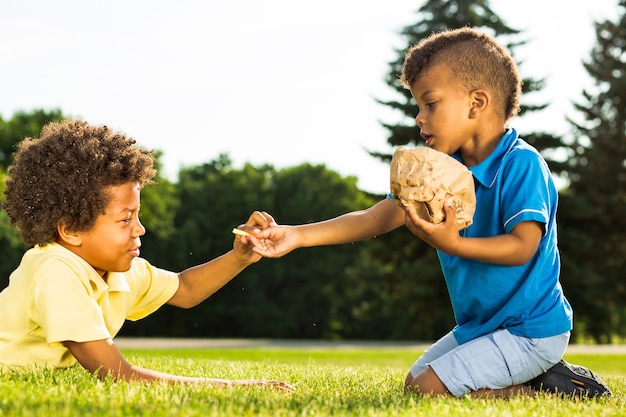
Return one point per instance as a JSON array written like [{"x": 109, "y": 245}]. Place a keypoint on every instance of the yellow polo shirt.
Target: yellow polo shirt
[{"x": 54, "y": 295}]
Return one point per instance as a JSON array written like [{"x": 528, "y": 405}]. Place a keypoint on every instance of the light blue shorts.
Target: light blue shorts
[{"x": 496, "y": 360}]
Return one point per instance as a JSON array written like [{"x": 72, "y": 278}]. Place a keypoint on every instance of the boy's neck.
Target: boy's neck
[{"x": 482, "y": 146}]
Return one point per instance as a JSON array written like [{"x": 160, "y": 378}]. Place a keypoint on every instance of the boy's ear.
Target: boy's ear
[
  {"x": 480, "y": 101},
  {"x": 70, "y": 237}
]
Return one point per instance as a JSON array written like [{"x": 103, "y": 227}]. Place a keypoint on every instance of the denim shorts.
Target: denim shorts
[{"x": 496, "y": 360}]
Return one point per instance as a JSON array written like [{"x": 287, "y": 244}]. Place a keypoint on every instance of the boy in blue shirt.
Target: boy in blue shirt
[{"x": 502, "y": 272}]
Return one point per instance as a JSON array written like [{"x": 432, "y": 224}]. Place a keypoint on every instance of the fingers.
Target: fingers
[
  {"x": 412, "y": 221},
  {"x": 261, "y": 219},
  {"x": 257, "y": 221},
  {"x": 450, "y": 212},
  {"x": 262, "y": 235},
  {"x": 415, "y": 220},
  {"x": 270, "y": 219}
]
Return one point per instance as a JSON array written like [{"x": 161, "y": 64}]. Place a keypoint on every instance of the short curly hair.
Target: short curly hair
[
  {"x": 63, "y": 177},
  {"x": 475, "y": 59}
]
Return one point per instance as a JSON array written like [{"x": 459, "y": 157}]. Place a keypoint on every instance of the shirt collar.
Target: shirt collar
[
  {"x": 486, "y": 171},
  {"x": 117, "y": 282}
]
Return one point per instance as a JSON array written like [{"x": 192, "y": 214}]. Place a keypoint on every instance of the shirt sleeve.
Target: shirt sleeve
[
  {"x": 529, "y": 191},
  {"x": 151, "y": 287}
]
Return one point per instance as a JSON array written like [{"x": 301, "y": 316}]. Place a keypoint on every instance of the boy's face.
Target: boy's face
[
  {"x": 444, "y": 108},
  {"x": 114, "y": 240}
]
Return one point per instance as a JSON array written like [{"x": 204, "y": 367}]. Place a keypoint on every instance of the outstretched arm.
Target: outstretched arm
[
  {"x": 381, "y": 218},
  {"x": 200, "y": 282},
  {"x": 103, "y": 357}
]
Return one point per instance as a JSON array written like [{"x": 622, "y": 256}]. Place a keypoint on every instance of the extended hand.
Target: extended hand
[
  {"x": 275, "y": 241},
  {"x": 243, "y": 245}
]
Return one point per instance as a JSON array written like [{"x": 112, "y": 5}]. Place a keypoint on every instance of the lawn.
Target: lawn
[{"x": 329, "y": 382}]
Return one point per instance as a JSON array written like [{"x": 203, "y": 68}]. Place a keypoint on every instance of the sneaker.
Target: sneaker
[{"x": 571, "y": 381}]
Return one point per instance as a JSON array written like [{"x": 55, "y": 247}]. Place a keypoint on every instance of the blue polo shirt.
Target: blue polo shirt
[{"x": 513, "y": 185}]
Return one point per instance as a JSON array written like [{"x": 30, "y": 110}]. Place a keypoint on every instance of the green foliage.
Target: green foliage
[
  {"x": 12, "y": 247},
  {"x": 367, "y": 290},
  {"x": 439, "y": 15},
  {"x": 292, "y": 297},
  {"x": 398, "y": 291},
  {"x": 159, "y": 203},
  {"x": 389, "y": 287},
  {"x": 592, "y": 223},
  {"x": 328, "y": 382},
  {"x": 22, "y": 125}
]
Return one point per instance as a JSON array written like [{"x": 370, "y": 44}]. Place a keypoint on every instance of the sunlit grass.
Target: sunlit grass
[{"x": 329, "y": 382}]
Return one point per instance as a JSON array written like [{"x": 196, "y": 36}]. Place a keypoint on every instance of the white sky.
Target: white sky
[{"x": 266, "y": 81}]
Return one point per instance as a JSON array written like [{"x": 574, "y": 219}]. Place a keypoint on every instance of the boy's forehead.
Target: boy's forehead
[{"x": 123, "y": 198}]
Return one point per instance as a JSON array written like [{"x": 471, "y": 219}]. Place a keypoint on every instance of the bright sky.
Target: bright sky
[{"x": 273, "y": 81}]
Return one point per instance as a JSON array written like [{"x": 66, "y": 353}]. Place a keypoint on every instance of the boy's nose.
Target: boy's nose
[{"x": 139, "y": 229}]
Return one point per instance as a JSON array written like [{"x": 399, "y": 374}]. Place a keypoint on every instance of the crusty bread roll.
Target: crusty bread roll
[{"x": 426, "y": 178}]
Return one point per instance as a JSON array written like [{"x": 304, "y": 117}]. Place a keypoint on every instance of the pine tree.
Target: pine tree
[
  {"x": 592, "y": 221},
  {"x": 439, "y": 15}
]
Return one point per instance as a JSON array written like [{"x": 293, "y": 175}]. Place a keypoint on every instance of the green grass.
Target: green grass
[{"x": 329, "y": 382}]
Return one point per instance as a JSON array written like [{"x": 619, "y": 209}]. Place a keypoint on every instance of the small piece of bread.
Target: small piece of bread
[
  {"x": 241, "y": 232},
  {"x": 425, "y": 179}
]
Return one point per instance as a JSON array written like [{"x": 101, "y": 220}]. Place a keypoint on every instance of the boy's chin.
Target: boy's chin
[{"x": 121, "y": 268}]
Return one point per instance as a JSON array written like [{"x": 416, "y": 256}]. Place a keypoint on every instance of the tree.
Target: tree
[
  {"x": 314, "y": 282},
  {"x": 20, "y": 126},
  {"x": 436, "y": 16},
  {"x": 12, "y": 246},
  {"x": 292, "y": 297},
  {"x": 159, "y": 202},
  {"x": 592, "y": 219}
]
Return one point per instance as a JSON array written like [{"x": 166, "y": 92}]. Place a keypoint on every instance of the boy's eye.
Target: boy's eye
[{"x": 428, "y": 105}]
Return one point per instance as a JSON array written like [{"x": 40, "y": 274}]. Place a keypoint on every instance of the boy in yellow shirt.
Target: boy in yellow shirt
[{"x": 74, "y": 195}]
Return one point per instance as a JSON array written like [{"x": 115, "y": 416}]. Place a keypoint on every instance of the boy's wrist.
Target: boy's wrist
[{"x": 243, "y": 259}]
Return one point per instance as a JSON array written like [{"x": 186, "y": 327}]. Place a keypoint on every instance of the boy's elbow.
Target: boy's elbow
[
  {"x": 521, "y": 258},
  {"x": 183, "y": 298},
  {"x": 184, "y": 304}
]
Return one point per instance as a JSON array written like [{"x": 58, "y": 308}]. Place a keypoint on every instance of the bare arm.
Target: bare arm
[
  {"x": 103, "y": 357},
  {"x": 200, "y": 282},
  {"x": 381, "y": 218},
  {"x": 514, "y": 248}
]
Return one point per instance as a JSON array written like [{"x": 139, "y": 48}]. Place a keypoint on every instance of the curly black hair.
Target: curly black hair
[
  {"x": 63, "y": 176},
  {"x": 474, "y": 58}
]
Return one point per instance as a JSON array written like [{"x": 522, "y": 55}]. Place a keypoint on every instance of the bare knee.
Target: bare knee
[{"x": 426, "y": 383}]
